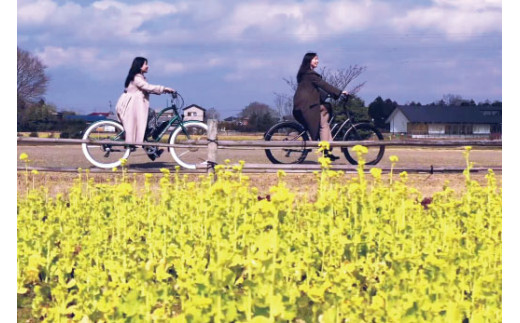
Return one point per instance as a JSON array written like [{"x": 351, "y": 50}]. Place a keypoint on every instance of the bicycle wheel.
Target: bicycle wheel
[
  {"x": 189, "y": 157},
  {"x": 364, "y": 131},
  {"x": 287, "y": 131},
  {"x": 105, "y": 155}
]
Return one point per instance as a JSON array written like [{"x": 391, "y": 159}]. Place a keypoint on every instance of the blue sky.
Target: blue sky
[{"x": 227, "y": 54}]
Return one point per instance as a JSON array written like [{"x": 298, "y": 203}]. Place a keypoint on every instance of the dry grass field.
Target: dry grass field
[{"x": 71, "y": 157}]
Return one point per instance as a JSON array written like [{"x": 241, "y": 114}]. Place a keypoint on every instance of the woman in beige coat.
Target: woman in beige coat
[{"x": 132, "y": 106}]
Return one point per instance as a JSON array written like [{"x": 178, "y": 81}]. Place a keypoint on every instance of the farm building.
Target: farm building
[{"x": 440, "y": 121}]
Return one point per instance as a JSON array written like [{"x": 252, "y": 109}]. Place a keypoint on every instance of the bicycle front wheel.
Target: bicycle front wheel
[
  {"x": 189, "y": 156},
  {"x": 364, "y": 131},
  {"x": 105, "y": 155},
  {"x": 290, "y": 132}
]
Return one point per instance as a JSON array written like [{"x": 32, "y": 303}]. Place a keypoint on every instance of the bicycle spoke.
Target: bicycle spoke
[{"x": 286, "y": 132}]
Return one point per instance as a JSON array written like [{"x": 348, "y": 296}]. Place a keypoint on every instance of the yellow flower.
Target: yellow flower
[
  {"x": 124, "y": 161},
  {"x": 376, "y": 172},
  {"x": 165, "y": 171},
  {"x": 24, "y": 156},
  {"x": 35, "y": 172},
  {"x": 114, "y": 169},
  {"x": 323, "y": 145},
  {"x": 468, "y": 148},
  {"x": 324, "y": 161},
  {"x": 394, "y": 159},
  {"x": 360, "y": 149}
]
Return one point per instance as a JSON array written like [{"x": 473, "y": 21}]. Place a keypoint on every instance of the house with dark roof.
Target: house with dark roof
[
  {"x": 433, "y": 121},
  {"x": 194, "y": 112}
]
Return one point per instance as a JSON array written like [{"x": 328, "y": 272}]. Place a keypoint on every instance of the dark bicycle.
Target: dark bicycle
[{"x": 345, "y": 131}]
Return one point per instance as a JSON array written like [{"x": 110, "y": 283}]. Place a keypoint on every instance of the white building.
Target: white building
[
  {"x": 194, "y": 112},
  {"x": 430, "y": 121}
]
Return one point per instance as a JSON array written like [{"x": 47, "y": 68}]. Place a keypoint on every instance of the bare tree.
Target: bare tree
[
  {"x": 31, "y": 78},
  {"x": 283, "y": 104},
  {"x": 340, "y": 78},
  {"x": 213, "y": 114}
]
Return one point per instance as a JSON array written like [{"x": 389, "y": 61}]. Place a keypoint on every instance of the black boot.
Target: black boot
[
  {"x": 330, "y": 156},
  {"x": 153, "y": 153}
]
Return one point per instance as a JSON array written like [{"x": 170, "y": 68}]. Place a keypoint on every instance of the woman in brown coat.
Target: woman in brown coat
[
  {"x": 132, "y": 106},
  {"x": 309, "y": 109}
]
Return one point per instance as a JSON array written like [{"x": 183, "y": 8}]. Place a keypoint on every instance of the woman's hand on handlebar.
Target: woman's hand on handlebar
[
  {"x": 344, "y": 96},
  {"x": 169, "y": 90}
]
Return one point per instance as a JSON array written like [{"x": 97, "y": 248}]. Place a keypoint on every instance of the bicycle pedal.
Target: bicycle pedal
[{"x": 107, "y": 153}]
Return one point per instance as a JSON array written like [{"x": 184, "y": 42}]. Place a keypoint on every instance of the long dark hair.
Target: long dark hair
[
  {"x": 135, "y": 69},
  {"x": 306, "y": 65}
]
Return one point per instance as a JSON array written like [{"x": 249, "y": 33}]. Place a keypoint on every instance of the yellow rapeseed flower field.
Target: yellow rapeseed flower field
[{"x": 365, "y": 250}]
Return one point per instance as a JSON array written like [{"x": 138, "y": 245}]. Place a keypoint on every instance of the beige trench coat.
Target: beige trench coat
[{"x": 132, "y": 108}]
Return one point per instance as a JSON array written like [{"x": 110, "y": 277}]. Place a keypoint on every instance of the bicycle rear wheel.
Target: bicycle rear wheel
[
  {"x": 364, "y": 131},
  {"x": 189, "y": 157},
  {"x": 105, "y": 155},
  {"x": 291, "y": 132}
]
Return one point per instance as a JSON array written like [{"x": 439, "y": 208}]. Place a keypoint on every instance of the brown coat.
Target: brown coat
[
  {"x": 132, "y": 108},
  {"x": 307, "y": 101}
]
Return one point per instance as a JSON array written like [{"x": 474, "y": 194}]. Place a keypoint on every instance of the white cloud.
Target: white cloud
[
  {"x": 345, "y": 16},
  {"x": 35, "y": 13},
  {"x": 172, "y": 67},
  {"x": 470, "y": 4},
  {"x": 457, "y": 19},
  {"x": 56, "y": 56},
  {"x": 266, "y": 17},
  {"x": 113, "y": 32},
  {"x": 89, "y": 60},
  {"x": 194, "y": 22},
  {"x": 304, "y": 21},
  {"x": 103, "y": 19}
]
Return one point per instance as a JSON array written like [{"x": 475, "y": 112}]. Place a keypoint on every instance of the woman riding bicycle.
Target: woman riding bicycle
[
  {"x": 309, "y": 108},
  {"x": 133, "y": 105}
]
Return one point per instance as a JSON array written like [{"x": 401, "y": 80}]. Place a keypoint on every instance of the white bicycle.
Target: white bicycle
[{"x": 109, "y": 155}]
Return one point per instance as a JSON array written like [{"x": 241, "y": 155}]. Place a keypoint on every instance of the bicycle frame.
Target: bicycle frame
[
  {"x": 176, "y": 121},
  {"x": 335, "y": 130}
]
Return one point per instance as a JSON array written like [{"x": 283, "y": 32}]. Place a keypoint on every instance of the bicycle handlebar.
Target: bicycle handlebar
[
  {"x": 344, "y": 97},
  {"x": 177, "y": 96}
]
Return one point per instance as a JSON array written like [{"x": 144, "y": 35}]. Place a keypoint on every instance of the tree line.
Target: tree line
[{"x": 33, "y": 113}]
